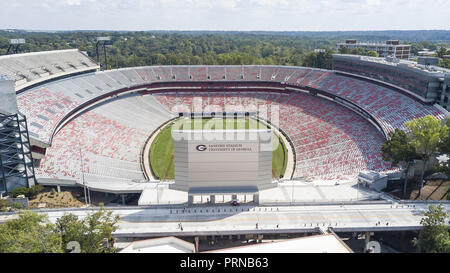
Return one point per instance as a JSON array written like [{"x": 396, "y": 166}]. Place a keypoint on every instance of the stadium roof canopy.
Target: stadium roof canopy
[{"x": 30, "y": 69}]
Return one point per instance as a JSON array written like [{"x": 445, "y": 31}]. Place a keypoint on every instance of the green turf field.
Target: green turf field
[{"x": 161, "y": 150}]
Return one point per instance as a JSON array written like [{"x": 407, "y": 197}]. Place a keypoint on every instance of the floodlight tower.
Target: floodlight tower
[
  {"x": 14, "y": 45},
  {"x": 101, "y": 41}
]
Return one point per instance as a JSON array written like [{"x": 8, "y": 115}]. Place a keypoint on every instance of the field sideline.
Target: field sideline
[{"x": 161, "y": 149}]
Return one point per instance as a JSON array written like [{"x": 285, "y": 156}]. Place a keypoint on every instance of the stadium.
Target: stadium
[{"x": 95, "y": 129}]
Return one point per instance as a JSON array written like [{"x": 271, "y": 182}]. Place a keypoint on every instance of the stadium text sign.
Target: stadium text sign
[{"x": 226, "y": 147}]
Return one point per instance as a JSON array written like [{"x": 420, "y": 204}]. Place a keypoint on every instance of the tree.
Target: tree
[
  {"x": 90, "y": 232},
  {"x": 444, "y": 148},
  {"x": 441, "y": 52},
  {"x": 322, "y": 60},
  {"x": 434, "y": 237},
  {"x": 310, "y": 59},
  {"x": 445, "y": 63},
  {"x": 358, "y": 51},
  {"x": 33, "y": 233},
  {"x": 444, "y": 167},
  {"x": 426, "y": 135},
  {"x": 399, "y": 150},
  {"x": 344, "y": 50},
  {"x": 372, "y": 54},
  {"x": 30, "y": 233},
  {"x": 27, "y": 192}
]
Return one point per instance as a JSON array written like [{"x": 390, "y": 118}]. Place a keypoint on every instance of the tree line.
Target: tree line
[{"x": 128, "y": 49}]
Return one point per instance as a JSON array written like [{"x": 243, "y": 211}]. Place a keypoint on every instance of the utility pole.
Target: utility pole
[
  {"x": 82, "y": 172},
  {"x": 82, "y": 175}
]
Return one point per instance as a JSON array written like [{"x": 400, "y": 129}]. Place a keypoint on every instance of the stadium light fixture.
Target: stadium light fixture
[
  {"x": 14, "y": 45},
  {"x": 102, "y": 40},
  {"x": 16, "y": 41},
  {"x": 107, "y": 38}
]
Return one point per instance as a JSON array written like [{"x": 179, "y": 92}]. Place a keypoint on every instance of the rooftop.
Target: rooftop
[
  {"x": 326, "y": 243},
  {"x": 397, "y": 62},
  {"x": 373, "y": 44}
]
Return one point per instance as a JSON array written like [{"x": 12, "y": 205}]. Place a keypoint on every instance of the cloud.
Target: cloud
[{"x": 226, "y": 14}]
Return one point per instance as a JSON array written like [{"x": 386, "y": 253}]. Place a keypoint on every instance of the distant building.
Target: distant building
[
  {"x": 423, "y": 79},
  {"x": 391, "y": 48}
]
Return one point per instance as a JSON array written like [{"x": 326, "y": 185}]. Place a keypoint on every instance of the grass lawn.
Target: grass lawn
[{"x": 161, "y": 149}]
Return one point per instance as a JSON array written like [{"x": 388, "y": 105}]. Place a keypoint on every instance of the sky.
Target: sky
[{"x": 242, "y": 15}]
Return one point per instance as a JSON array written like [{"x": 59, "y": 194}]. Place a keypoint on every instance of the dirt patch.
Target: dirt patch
[
  {"x": 55, "y": 200},
  {"x": 433, "y": 190}
]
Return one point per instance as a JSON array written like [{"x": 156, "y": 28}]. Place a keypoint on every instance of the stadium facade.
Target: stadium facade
[
  {"x": 89, "y": 127},
  {"x": 391, "y": 48},
  {"x": 423, "y": 79}
]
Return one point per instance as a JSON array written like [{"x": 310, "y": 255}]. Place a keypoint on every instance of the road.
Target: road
[{"x": 227, "y": 220}]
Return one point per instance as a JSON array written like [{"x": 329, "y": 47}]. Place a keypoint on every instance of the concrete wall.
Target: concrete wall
[
  {"x": 8, "y": 101},
  {"x": 416, "y": 169},
  {"x": 22, "y": 201}
]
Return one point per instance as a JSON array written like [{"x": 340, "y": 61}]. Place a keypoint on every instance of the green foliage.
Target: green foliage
[
  {"x": 426, "y": 135},
  {"x": 27, "y": 192},
  {"x": 442, "y": 51},
  {"x": 19, "y": 191},
  {"x": 207, "y": 48},
  {"x": 17, "y": 206},
  {"x": 398, "y": 148},
  {"x": 161, "y": 48},
  {"x": 434, "y": 237},
  {"x": 358, "y": 51},
  {"x": 35, "y": 190},
  {"x": 89, "y": 232},
  {"x": 424, "y": 140},
  {"x": 33, "y": 233},
  {"x": 4, "y": 204},
  {"x": 444, "y": 146},
  {"x": 322, "y": 60},
  {"x": 444, "y": 63},
  {"x": 30, "y": 233},
  {"x": 372, "y": 54},
  {"x": 344, "y": 50},
  {"x": 444, "y": 167}
]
